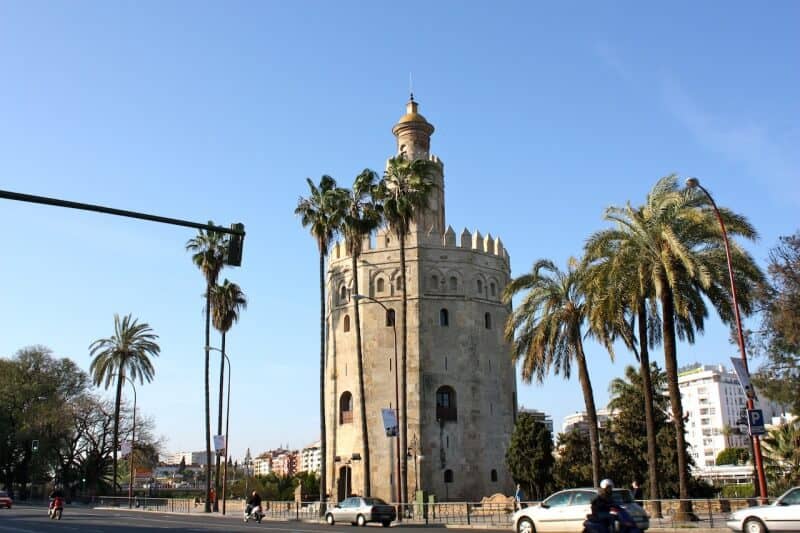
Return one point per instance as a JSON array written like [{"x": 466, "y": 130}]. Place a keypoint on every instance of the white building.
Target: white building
[
  {"x": 580, "y": 421},
  {"x": 262, "y": 465},
  {"x": 310, "y": 458},
  {"x": 716, "y": 407},
  {"x": 539, "y": 416},
  {"x": 190, "y": 458}
]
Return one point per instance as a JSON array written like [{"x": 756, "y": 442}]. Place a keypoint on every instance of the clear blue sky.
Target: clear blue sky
[{"x": 544, "y": 114}]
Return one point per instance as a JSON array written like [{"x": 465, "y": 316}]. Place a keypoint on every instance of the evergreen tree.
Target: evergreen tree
[{"x": 530, "y": 456}]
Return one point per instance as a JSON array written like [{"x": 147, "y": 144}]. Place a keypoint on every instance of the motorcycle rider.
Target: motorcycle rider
[
  {"x": 601, "y": 504},
  {"x": 54, "y": 494},
  {"x": 253, "y": 503}
]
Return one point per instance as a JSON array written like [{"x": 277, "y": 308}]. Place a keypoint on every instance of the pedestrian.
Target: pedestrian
[
  {"x": 636, "y": 490},
  {"x": 518, "y": 495}
]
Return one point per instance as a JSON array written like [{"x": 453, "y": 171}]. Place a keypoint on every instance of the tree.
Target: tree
[
  {"x": 733, "y": 456},
  {"x": 227, "y": 301},
  {"x": 321, "y": 213},
  {"x": 530, "y": 456},
  {"x": 404, "y": 192},
  {"x": 779, "y": 377},
  {"x": 680, "y": 244},
  {"x": 571, "y": 469},
  {"x": 361, "y": 215},
  {"x": 182, "y": 466},
  {"x": 781, "y": 449},
  {"x": 208, "y": 254},
  {"x": 545, "y": 333},
  {"x": 126, "y": 353}
]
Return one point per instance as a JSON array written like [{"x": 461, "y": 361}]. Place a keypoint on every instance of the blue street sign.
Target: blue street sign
[{"x": 755, "y": 419}]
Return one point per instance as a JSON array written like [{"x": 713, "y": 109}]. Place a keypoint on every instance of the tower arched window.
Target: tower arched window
[
  {"x": 448, "y": 476},
  {"x": 379, "y": 285},
  {"x": 487, "y": 320},
  {"x": 399, "y": 283},
  {"x": 434, "y": 282},
  {"x": 389, "y": 318},
  {"x": 444, "y": 317},
  {"x": 493, "y": 475},
  {"x": 446, "y": 404},
  {"x": 493, "y": 289},
  {"x": 346, "y": 323},
  {"x": 346, "y": 408},
  {"x": 480, "y": 287},
  {"x": 453, "y": 283},
  {"x": 342, "y": 294}
]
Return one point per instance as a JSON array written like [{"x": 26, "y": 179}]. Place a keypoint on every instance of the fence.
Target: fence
[{"x": 709, "y": 513}]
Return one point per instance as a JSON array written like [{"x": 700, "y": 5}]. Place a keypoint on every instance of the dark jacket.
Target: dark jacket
[
  {"x": 254, "y": 500},
  {"x": 601, "y": 505}
]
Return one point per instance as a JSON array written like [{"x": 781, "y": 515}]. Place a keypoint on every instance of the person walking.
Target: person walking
[
  {"x": 636, "y": 490},
  {"x": 518, "y": 496}
]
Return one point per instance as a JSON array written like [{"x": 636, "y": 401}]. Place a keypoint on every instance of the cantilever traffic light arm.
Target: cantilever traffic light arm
[{"x": 236, "y": 231}]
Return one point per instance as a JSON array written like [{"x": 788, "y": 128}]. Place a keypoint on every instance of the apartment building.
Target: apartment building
[
  {"x": 539, "y": 416},
  {"x": 310, "y": 458}
]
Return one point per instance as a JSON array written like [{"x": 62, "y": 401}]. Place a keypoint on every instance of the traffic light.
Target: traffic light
[
  {"x": 233, "y": 257},
  {"x": 35, "y": 446}
]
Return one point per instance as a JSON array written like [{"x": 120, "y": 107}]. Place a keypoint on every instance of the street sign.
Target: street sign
[
  {"x": 755, "y": 419},
  {"x": 219, "y": 443},
  {"x": 744, "y": 377},
  {"x": 389, "y": 422}
]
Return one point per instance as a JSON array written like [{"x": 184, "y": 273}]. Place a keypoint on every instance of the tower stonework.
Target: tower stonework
[{"x": 461, "y": 389}]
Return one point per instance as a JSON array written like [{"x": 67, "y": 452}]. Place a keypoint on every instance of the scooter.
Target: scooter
[
  {"x": 620, "y": 522},
  {"x": 256, "y": 513},
  {"x": 56, "y": 508}
]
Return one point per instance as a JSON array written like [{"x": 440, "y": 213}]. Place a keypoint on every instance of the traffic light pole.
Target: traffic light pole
[{"x": 236, "y": 231}]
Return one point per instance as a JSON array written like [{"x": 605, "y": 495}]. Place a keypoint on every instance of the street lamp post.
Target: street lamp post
[
  {"x": 396, "y": 398},
  {"x": 227, "y": 422},
  {"x": 762, "y": 482}
]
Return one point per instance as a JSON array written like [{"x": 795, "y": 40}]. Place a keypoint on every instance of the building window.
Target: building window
[
  {"x": 379, "y": 285},
  {"x": 399, "y": 283},
  {"x": 434, "y": 282},
  {"x": 346, "y": 323},
  {"x": 448, "y": 476},
  {"x": 444, "y": 317},
  {"x": 492, "y": 289},
  {"x": 487, "y": 320},
  {"x": 343, "y": 294},
  {"x": 346, "y": 408},
  {"x": 494, "y": 475},
  {"x": 389, "y": 318},
  {"x": 446, "y": 404},
  {"x": 480, "y": 287},
  {"x": 453, "y": 283}
]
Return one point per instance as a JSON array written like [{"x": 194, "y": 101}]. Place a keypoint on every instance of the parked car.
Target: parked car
[
  {"x": 565, "y": 511},
  {"x": 783, "y": 515},
  {"x": 360, "y": 511},
  {"x": 5, "y": 500}
]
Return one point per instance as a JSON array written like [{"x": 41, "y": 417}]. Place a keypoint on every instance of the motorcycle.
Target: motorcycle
[
  {"x": 619, "y": 522},
  {"x": 56, "y": 508},
  {"x": 256, "y": 513}
]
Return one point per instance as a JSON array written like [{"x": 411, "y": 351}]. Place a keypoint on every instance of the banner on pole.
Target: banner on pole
[
  {"x": 744, "y": 377},
  {"x": 219, "y": 443},
  {"x": 389, "y": 422}
]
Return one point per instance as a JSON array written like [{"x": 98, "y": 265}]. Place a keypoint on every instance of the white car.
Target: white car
[
  {"x": 566, "y": 511},
  {"x": 783, "y": 515}
]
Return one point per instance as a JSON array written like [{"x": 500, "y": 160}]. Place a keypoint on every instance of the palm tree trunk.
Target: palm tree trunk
[
  {"x": 207, "y": 508},
  {"x": 591, "y": 412},
  {"x": 671, "y": 366},
  {"x": 361, "y": 394},
  {"x": 403, "y": 422},
  {"x": 323, "y": 439},
  {"x": 116, "y": 425},
  {"x": 219, "y": 418},
  {"x": 649, "y": 421}
]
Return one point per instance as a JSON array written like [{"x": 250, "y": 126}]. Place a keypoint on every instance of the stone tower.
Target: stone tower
[{"x": 461, "y": 389}]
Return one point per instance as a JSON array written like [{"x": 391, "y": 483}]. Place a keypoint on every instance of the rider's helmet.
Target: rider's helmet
[{"x": 607, "y": 484}]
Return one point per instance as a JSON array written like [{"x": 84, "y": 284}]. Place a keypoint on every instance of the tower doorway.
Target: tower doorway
[{"x": 344, "y": 483}]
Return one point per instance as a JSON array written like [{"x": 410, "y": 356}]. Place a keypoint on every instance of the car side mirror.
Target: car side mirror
[{"x": 544, "y": 505}]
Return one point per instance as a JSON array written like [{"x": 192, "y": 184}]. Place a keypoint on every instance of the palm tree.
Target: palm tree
[
  {"x": 545, "y": 333},
  {"x": 226, "y": 302},
  {"x": 208, "y": 249},
  {"x": 782, "y": 454},
  {"x": 360, "y": 217},
  {"x": 621, "y": 298},
  {"x": 126, "y": 353},
  {"x": 679, "y": 246},
  {"x": 404, "y": 192},
  {"x": 321, "y": 213}
]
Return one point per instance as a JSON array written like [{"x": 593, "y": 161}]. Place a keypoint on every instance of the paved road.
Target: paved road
[{"x": 27, "y": 519}]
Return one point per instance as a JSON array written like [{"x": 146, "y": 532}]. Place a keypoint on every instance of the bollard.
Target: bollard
[{"x": 467, "y": 506}]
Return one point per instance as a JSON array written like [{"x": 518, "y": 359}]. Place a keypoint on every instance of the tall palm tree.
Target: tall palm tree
[
  {"x": 126, "y": 353},
  {"x": 782, "y": 454},
  {"x": 682, "y": 257},
  {"x": 321, "y": 213},
  {"x": 208, "y": 254},
  {"x": 545, "y": 333},
  {"x": 621, "y": 298},
  {"x": 360, "y": 217},
  {"x": 227, "y": 300},
  {"x": 404, "y": 192}
]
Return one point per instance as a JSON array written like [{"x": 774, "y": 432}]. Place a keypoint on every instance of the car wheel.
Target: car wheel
[
  {"x": 525, "y": 526},
  {"x": 329, "y": 519},
  {"x": 754, "y": 525},
  {"x": 361, "y": 521},
  {"x": 385, "y": 523}
]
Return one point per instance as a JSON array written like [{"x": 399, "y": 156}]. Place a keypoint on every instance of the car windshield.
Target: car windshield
[
  {"x": 622, "y": 496},
  {"x": 374, "y": 501}
]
